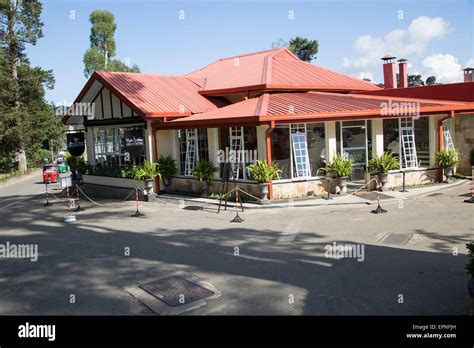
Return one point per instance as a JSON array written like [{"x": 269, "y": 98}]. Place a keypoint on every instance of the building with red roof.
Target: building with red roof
[{"x": 272, "y": 106}]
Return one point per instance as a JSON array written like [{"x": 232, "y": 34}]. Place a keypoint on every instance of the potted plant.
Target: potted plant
[
  {"x": 470, "y": 269},
  {"x": 341, "y": 167},
  {"x": 166, "y": 169},
  {"x": 263, "y": 173},
  {"x": 383, "y": 164},
  {"x": 204, "y": 172},
  {"x": 447, "y": 159},
  {"x": 147, "y": 172},
  {"x": 77, "y": 166}
]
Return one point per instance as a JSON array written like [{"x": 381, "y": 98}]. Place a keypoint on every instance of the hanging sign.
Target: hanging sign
[
  {"x": 75, "y": 143},
  {"x": 134, "y": 142}
]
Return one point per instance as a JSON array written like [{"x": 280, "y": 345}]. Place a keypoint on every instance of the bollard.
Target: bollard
[
  {"x": 471, "y": 200},
  {"x": 48, "y": 203},
  {"x": 403, "y": 187},
  {"x": 379, "y": 209},
  {"x": 237, "y": 218},
  {"x": 137, "y": 213}
]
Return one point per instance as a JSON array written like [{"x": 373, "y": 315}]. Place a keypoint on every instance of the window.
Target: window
[
  {"x": 193, "y": 147},
  {"x": 239, "y": 144},
  {"x": 407, "y": 134},
  {"x": 299, "y": 149},
  {"x": 400, "y": 138},
  {"x": 422, "y": 141},
  {"x": 110, "y": 147}
]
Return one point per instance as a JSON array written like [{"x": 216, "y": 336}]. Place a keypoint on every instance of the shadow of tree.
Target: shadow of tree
[{"x": 87, "y": 259}]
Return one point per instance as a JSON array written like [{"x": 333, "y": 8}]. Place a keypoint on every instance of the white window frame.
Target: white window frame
[{"x": 299, "y": 143}]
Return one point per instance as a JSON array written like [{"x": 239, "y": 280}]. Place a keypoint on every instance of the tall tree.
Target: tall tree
[
  {"x": 305, "y": 49},
  {"x": 431, "y": 80},
  {"x": 415, "y": 80},
  {"x": 102, "y": 45},
  {"x": 20, "y": 24}
]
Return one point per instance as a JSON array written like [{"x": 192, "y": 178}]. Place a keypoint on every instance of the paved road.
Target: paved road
[{"x": 272, "y": 263}]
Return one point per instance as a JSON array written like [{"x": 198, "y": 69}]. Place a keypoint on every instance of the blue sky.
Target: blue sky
[{"x": 436, "y": 36}]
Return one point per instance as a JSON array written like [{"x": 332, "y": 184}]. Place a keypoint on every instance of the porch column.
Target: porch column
[
  {"x": 149, "y": 142},
  {"x": 261, "y": 143},
  {"x": 377, "y": 138},
  {"x": 330, "y": 141},
  {"x": 213, "y": 146},
  {"x": 433, "y": 139},
  {"x": 268, "y": 145},
  {"x": 90, "y": 147}
]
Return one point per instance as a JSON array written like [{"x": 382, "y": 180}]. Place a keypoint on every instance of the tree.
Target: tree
[
  {"x": 102, "y": 46},
  {"x": 280, "y": 43},
  {"x": 415, "y": 80},
  {"x": 303, "y": 48},
  {"x": 20, "y": 24},
  {"x": 431, "y": 80}
]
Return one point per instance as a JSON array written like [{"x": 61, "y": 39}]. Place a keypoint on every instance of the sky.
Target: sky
[{"x": 176, "y": 37}]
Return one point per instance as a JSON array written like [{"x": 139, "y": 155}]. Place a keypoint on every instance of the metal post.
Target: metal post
[
  {"x": 79, "y": 208},
  {"x": 403, "y": 188},
  {"x": 379, "y": 209},
  {"x": 471, "y": 200},
  {"x": 137, "y": 212},
  {"x": 237, "y": 218},
  {"x": 48, "y": 203}
]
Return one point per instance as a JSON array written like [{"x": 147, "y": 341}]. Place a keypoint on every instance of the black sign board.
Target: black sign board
[
  {"x": 134, "y": 142},
  {"x": 75, "y": 143}
]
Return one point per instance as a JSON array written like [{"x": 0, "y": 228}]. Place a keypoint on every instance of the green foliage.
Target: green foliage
[
  {"x": 340, "y": 166},
  {"x": 305, "y": 49},
  {"x": 447, "y": 158},
  {"x": 76, "y": 163},
  {"x": 204, "y": 171},
  {"x": 146, "y": 171},
  {"x": 114, "y": 171},
  {"x": 25, "y": 117},
  {"x": 415, "y": 80},
  {"x": 383, "y": 164},
  {"x": 470, "y": 265},
  {"x": 102, "y": 46},
  {"x": 431, "y": 80},
  {"x": 166, "y": 167},
  {"x": 263, "y": 172}
]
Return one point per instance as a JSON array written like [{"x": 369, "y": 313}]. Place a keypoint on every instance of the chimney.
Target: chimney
[
  {"x": 389, "y": 74},
  {"x": 468, "y": 75},
  {"x": 402, "y": 73}
]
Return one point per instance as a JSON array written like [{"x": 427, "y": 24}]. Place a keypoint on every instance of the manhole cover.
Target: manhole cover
[
  {"x": 394, "y": 238},
  {"x": 176, "y": 291},
  {"x": 435, "y": 194}
]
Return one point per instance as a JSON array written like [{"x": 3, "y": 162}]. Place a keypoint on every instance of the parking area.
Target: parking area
[{"x": 278, "y": 261}]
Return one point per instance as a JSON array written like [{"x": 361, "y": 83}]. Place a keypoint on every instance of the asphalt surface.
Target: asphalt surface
[{"x": 275, "y": 262}]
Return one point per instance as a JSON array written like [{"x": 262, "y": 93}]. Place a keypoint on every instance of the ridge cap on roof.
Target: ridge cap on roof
[
  {"x": 143, "y": 74},
  {"x": 338, "y": 72}
]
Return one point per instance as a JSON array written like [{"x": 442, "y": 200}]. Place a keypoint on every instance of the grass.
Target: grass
[{"x": 14, "y": 173}]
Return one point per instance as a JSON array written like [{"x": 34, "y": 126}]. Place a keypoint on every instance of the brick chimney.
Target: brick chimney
[
  {"x": 402, "y": 73},
  {"x": 468, "y": 74},
  {"x": 389, "y": 73}
]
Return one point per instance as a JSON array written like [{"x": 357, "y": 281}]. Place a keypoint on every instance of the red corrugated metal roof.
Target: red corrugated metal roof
[
  {"x": 273, "y": 69},
  {"x": 156, "y": 95},
  {"x": 287, "y": 105}
]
